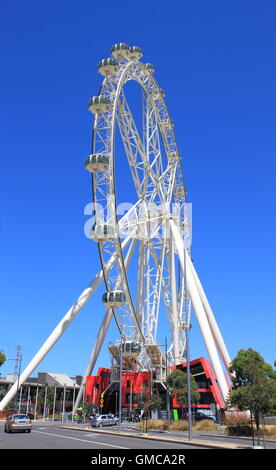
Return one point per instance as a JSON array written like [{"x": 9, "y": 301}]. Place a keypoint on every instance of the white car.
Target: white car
[
  {"x": 18, "y": 422},
  {"x": 103, "y": 420}
]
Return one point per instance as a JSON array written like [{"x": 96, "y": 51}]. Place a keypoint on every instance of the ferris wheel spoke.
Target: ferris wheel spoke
[
  {"x": 157, "y": 285},
  {"x": 152, "y": 142},
  {"x": 140, "y": 157},
  {"x": 117, "y": 279}
]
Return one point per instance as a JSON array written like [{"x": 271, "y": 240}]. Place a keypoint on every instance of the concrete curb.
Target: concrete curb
[
  {"x": 238, "y": 437},
  {"x": 194, "y": 442}
]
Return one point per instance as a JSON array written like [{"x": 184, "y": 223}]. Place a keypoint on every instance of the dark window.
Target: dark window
[
  {"x": 202, "y": 382},
  {"x": 206, "y": 398}
]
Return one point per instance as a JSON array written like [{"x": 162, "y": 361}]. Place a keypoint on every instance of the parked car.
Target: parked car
[
  {"x": 116, "y": 418},
  {"x": 18, "y": 422},
  {"x": 103, "y": 420}
]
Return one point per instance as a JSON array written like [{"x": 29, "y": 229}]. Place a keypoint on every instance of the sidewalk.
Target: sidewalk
[{"x": 165, "y": 437}]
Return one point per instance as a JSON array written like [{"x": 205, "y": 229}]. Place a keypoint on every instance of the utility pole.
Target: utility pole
[
  {"x": 167, "y": 391},
  {"x": 120, "y": 383},
  {"x": 187, "y": 329},
  {"x": 17, "y": 370}
]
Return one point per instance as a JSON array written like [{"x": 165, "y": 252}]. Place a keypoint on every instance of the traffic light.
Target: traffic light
[{"x": 102, "y": 400}]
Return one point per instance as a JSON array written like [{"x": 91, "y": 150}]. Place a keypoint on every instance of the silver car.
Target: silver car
[
  {"x": 18, "y": 422},
  {"x": 103, "y": 420}
]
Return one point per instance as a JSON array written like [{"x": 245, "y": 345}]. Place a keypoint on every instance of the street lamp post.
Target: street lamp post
[
  {"x": 18, "y": 376},
  {"x": 167, "y": 391},
  {"x": 120, "y": 383},
  {"x": 187, "y": 328},
  {"x": 73, "y": 407},
  {"x": 19, "y": 371}
]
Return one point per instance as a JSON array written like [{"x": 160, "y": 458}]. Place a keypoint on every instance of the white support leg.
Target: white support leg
[
  {"x": 94, "y": 355},
  {"x": 58, "y": 331},
  {"x": 200, "y": 312},
  {"x": 211, "y": 318},
  {"x": 100, "y": 337},
  {"x": 175, "y": 321}
]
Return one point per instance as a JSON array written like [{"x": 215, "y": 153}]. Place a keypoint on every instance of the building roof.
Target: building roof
[{"x": 61, "y": 380}]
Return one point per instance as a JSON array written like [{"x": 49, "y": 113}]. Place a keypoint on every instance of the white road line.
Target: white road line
[
  {"x": 91, "y": 435},
  {"x": 77, "y": 439}
]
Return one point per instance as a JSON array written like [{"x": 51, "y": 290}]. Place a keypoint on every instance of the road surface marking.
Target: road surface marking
[{"x": 77, "y": 439}]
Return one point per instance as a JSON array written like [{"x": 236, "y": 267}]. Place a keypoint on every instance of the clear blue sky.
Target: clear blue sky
[{"x": 216, "y": 62}]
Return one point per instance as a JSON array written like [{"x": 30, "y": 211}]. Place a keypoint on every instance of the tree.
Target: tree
[
  {"x": 155, "y": 401},
  {"x": 3, "y": 391},
  {"x": 143, "y": 399},
  {"x": 249, "y": 367},
  {"x": 254, "y": 384},
  {"x": 2, "y": 358},
  {"x": 178, "y": 385},
  {"x": 89, "y": 407}
]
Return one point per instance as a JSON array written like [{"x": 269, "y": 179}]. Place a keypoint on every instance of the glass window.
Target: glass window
[
  {"x": 118, "y": 296},
  {"x": 206, "y": 398}
]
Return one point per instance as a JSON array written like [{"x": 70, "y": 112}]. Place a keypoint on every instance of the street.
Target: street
[
  {"x": 51, "y": 437},
  {"x": 47, "y": 435}
]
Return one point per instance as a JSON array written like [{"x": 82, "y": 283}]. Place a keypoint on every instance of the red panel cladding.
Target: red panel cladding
[
  {"x": 133, "y": 382},
  {"x": 209, "y": 373},
  {"x": 96, "y": 384}
]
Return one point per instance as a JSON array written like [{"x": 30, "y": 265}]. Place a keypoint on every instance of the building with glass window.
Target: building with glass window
[{"x": 106, "y": 387}]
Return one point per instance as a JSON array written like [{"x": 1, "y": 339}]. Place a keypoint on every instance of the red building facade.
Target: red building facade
[
  {"x": 134, "y": 383},
  {"x": 207, "y": 385}
]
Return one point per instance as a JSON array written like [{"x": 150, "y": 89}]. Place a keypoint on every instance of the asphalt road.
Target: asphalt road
[{"x": 51, "y": 437}]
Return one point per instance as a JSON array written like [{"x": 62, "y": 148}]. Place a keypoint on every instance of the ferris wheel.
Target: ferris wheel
[
  {"x": 154, "y": 232},
  {"x": 155, "y": 167}
]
